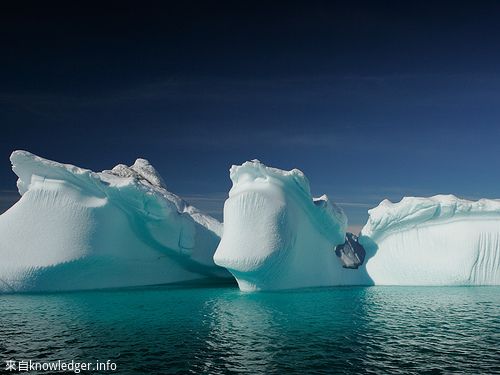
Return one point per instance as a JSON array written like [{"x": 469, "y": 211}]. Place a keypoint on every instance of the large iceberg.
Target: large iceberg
[
  {"x": 442, "y": 240},
  {"x": 276, "y": 236},
  {"x": 77, "y": 229}
]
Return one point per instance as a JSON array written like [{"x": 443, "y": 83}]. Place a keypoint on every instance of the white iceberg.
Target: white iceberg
[
  {"x": 77, "y": 229},
  {"x": 276, "y": 236},
  {"x": 442, "y": 240}
]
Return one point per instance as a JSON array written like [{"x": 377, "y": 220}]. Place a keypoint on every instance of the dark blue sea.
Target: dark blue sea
[{"x": 219, "y": 330}]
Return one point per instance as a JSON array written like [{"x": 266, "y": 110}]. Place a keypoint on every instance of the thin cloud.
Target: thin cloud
[
  {"x": 221, "y": 88},
  {"x": 354, "y": 204}
]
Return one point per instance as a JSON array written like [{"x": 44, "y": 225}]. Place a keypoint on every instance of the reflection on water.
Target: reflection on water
[
  {"x": 222, "y": 331},
  {"x": 241, "y": 330}
]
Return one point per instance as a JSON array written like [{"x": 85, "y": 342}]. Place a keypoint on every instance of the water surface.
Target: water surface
[{"x": 346, "y": 330}]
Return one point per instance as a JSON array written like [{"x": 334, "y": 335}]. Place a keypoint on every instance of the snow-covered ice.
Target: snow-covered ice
[
  {"x": 442, "y": 240},
  {"x": 77, "y": 229},
  {"x": 276, "y": 236}
]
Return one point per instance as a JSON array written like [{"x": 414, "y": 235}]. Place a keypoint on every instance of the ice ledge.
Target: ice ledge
[
  {"x": 140, "y": 185},
  {"x": 390, "y": 217},
  {"x": 254, "y": 170}
]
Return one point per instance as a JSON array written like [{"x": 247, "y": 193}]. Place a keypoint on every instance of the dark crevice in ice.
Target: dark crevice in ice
[{"x": 351, "y": 253}]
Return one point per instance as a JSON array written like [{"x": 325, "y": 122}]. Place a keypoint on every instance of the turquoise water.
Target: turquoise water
[{"x": 347, "y": 330}]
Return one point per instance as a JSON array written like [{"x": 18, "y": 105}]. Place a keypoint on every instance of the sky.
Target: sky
[{"x": 371, "y": 100}]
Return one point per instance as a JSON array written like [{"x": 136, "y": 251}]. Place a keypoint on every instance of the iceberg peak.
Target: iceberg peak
[
  {"x": 251, "y": 171},
  {"x": 141, "y": 170}
]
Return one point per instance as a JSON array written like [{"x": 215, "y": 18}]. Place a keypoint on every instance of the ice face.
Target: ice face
[
  {"x": 442, "y": 240},
  {"x": 276, "y": 236},
  {"x": 77, "y": 229}
]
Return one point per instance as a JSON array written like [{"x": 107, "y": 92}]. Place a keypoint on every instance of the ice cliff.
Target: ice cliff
[
  {"x": 442, "y": 240},
  {"x": 276, "y": 235},
  {"x": 77, "y": 229}
]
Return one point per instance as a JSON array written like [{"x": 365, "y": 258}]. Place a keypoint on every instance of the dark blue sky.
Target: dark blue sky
[{"x": 370, "y": 99}]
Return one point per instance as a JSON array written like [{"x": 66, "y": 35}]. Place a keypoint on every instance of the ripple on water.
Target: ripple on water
[{"x": 396, "y": 330}]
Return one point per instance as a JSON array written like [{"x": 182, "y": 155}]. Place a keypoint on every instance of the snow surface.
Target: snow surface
[
  {"x": 276, "y": 236},
  {"x": 441, "y": 240},
  {"x": 78, "y": 229}
]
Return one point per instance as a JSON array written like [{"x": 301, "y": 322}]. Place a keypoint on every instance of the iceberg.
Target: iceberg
[
  {"x": 77, "y": 229},
  {"x": 441, "y": 240},
  {"x": 277, "y": 236}
]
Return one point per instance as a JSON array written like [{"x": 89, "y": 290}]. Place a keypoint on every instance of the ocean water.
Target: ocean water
[{"x": 347, "y": 330}]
